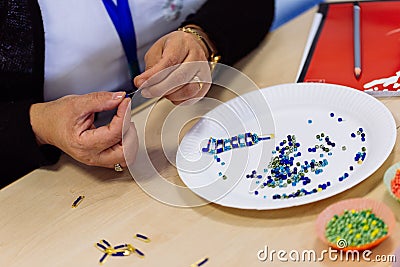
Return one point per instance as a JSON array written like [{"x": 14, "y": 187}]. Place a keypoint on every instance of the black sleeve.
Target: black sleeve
[
  {"x": 236, "y": 27},
  {"x": 21, "y": 85},
  {"x": 20, "y": 152}
]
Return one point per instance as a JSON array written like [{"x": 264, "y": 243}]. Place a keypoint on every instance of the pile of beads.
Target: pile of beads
[
  {"x": 356, "y": 228},
  {"x": 395, "y": 184},
  {"x": 121, "y": 250},
  {"x": 216, "y": 146},
  {"x": 285, "y": 171}
]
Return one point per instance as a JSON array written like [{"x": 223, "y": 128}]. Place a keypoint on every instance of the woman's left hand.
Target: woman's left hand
[{"x": 165, "y": 75}]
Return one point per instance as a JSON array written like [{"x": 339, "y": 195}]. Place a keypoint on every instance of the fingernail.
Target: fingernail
[
  {"x": 146, "y": 93},
  {"x": 118, "y": 95}
]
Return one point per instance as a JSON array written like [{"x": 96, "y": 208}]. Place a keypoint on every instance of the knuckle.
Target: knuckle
[
  {"x": 96, "y": 97},
  {"x": 172, "y": 60}
]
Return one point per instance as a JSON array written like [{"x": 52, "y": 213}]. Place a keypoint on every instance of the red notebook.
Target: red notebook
[{"x": 331, "y": 56}]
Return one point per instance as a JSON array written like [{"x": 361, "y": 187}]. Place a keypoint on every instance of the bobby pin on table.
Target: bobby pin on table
[{"x": 38, "y": 227}]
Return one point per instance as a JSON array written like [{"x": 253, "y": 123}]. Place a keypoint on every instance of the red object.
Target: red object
[
  {"x": 395, "y": 184},
  {"x": 332, "y": 60}
]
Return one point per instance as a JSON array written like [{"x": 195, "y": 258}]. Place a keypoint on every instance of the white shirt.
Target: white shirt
[{"x": 83, "y": 52}]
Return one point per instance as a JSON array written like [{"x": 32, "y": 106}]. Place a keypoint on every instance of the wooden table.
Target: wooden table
[{"x": 38, "y": 227}]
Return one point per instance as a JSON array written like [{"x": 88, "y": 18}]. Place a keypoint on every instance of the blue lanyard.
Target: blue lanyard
[{"x": 121, "y": 17}]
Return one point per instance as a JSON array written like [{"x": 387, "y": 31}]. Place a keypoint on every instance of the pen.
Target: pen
[{"x": 357, "y": 40}]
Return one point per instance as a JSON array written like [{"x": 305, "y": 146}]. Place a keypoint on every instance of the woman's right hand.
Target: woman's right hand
[{"x": 67, "y": 123}]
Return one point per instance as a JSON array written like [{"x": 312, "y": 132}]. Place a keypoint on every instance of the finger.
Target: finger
[
  {"x": 175, "y": 80},
  {"x": 157, "y": 59},
  {"x": 127, "y": 119},
  {"x": 111, "y": 156},
  {"x": 130, "y": 143},
  {"x": 152, "y": 56},
  {"x": 190, "y": 91},
  {"x": 107, "y": 136},
  {"x": 196, "y": 88},
  {"x": 86, "y": 105},
  {"x": 173, "y": 54}
]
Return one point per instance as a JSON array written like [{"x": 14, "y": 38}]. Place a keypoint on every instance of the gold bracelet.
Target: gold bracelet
[{"x": 212, "y": 51}]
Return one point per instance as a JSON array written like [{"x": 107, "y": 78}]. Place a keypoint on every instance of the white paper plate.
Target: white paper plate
[{"x": 304, "y": 110}]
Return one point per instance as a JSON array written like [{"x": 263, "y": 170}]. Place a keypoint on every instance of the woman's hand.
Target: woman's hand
[
  {"x": 165, "y": 74},
  {"x": 67, "y": 123}
]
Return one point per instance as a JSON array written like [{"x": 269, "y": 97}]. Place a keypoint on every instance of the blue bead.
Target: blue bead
[{"x": 332, "y": 115}]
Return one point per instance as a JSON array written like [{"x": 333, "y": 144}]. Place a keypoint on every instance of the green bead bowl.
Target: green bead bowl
[{"x": 379, "y": 209}]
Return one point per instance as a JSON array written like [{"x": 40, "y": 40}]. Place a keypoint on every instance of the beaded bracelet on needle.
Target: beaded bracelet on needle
[{"x": 216, "y": 146}]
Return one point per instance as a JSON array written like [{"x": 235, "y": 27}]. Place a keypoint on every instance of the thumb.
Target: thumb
[{"x": 99, "y": 101}]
